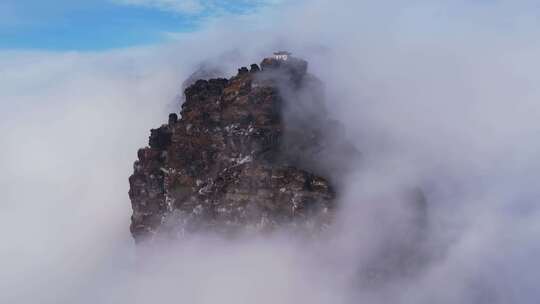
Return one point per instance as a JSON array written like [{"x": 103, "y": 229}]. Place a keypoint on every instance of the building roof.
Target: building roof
[{"x": 282, "y": 53}]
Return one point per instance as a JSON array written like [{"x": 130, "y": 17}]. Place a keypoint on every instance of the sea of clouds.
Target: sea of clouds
[{"x": 442, "y": 94}]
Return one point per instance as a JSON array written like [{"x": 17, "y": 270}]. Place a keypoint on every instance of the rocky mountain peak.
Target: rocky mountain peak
[{"x": 243, "y": 157}]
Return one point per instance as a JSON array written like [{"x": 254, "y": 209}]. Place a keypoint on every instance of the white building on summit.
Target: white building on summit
[{"x": 282, "y": 55}]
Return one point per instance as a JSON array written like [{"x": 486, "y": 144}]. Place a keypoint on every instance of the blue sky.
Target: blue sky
[{"x": 107, "y": 24}]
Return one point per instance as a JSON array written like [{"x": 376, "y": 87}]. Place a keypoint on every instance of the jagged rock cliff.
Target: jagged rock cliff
[{"x": 245, "y": 156}]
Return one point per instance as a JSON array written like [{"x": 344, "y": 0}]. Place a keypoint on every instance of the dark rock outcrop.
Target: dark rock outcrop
[
  {"x": 243, "y": 157},
  {"x": 258, "y": 152}
]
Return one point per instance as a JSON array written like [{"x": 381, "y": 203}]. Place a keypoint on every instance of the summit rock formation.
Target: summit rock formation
[{"x": 244, "y": 156}]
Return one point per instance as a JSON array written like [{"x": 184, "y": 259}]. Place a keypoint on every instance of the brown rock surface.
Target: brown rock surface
[{"x": 232, "y": 162}]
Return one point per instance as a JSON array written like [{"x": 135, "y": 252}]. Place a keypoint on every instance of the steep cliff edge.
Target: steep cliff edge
[{"x": 245, "y": 156}]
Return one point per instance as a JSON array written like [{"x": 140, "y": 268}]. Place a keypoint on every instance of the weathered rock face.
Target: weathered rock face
[{"x": 235, "y": 161}]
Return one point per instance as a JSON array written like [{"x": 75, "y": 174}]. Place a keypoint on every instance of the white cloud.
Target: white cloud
[
  {"x": 178, "y": 6},
  {"x": 193, "y": 7}
]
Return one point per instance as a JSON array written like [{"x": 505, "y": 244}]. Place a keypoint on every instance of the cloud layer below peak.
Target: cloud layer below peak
[{"x": 441, "y": 93}]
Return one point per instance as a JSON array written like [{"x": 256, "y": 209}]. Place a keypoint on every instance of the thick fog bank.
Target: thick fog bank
[{"x": 438, "y": 94}]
